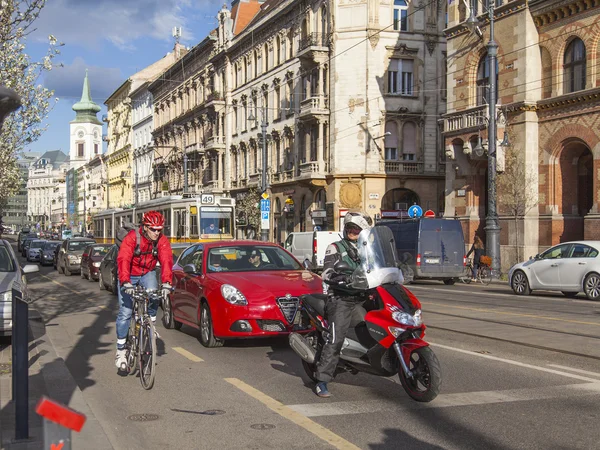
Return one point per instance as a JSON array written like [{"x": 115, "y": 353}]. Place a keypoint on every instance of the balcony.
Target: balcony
[
  {"x": 401, "y": 167},
  {"x": 313, "y": 107},
  {"x": 215, "y": 98},
  {"x": 215, "y": 143},
  {"x": 467, "y": 120},
  {"x": 314, "y": 47}
]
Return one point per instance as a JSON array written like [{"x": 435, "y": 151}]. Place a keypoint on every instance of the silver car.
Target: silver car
[
  {"x": 11, "y": 276},
  {"x": 570, "y": 267}
]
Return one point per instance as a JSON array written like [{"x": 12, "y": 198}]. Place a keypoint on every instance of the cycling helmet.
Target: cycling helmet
[
  {"x": 154, "y": 219},
  {"x": 357, "y": 219}
]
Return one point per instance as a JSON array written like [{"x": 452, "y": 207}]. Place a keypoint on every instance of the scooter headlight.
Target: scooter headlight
[{"x": 406, "y": 319}]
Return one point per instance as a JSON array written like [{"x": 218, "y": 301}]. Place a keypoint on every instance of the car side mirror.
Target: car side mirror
[
  {"x": 31, "y": 268},
  {"x": 190, "y": 269},
  {"x": 307, "y": 265}
]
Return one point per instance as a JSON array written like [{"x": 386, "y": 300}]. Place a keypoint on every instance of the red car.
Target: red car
[
  {"x": 91, "y": 258},
  {"x": 237, "y": 289}
]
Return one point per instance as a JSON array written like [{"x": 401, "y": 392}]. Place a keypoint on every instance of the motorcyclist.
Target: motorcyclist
[
  {"x": 136, "y": 266},
  {"x": 342, "y": 300}
]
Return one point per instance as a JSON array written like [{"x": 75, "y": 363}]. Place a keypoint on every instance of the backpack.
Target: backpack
[{"x": 126, "y": 227}]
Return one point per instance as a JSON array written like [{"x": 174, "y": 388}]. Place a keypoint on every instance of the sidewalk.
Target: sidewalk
[{"x": 48, "y": 375}]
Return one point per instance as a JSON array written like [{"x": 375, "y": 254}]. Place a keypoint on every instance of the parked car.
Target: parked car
[
  {"x": 91, "y": 258},
  {"x": 48, "y": 251},
  {"x": 21, "y": 237},
  {"x": 431, "y": 249},
  {"x": 107, "y": 272},
  {"x": 177, "y": 249},
  {"x": 35, "y": 250},
  {"x": 219, "y": 291},
  {"x": 56, "y": 251},
  {"x": 11, "y": 275},
  {"x": 570, "y": 268},
  {"x": 309, "y": 246},
  {"x": 69, "y": 255},
  {"x": 26, "y": 243}
]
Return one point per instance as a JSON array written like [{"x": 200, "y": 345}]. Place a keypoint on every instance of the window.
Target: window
[
  {"x": 556, "y": 252},
  {"x": 235, "y": 120},
  {"x": 80, "y": 150},
  {"x": 266, "y": 57},
  {"x": 483, "y": 80},
  {"x": 256, "y": 64},
  {"x": 96, "y": 149},
  {"x": 278, "y": 51},
  {"x": 277, "y": 100},
  {"x": 409, "y": 141},
  {"x": 391, "y": 142},
  {"x": 583, "y": 251},
  {"x": 400, "y": 15},
  {"x": 575, "y": 66},
  {"x": 400, "y": 76},
  {"x": 265, "y": 104}
]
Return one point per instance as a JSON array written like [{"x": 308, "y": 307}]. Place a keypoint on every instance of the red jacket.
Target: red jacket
[{"x": 129, "y": 265}]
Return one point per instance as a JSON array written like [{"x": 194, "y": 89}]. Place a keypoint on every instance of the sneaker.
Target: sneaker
[
  {"x": 321, "y": 390},
  {"x": 121, "y": 360}
]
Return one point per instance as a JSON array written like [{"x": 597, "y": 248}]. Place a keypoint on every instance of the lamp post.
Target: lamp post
[
  {"x": 85, "y": 177},
  {"x": 181, "y": 131},
  {"x": 264, "y": 231},
  {"x": 492, "y": 226}
]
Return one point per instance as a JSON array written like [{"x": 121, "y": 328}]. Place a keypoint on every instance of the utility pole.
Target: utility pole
[
  {"x": 265, "y": 205},
  {"x": 84, "y": 204}
]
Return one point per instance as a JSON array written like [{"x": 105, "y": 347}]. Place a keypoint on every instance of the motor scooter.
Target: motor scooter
[{"x": 386, "y": 334}]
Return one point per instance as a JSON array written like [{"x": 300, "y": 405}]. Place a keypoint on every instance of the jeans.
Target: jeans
[
  {"x": 148, "y": 281},
  {"x": 474, "y": 270}
]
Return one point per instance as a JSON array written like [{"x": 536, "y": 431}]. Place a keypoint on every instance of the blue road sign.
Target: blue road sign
[
  {"x": 265, "y": 205},
  {"x": 415, "y": 211},
  {"x": 265, "y": 215}
]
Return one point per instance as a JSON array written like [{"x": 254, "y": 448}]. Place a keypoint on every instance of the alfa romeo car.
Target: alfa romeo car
[{"x": 237, "y": 289}]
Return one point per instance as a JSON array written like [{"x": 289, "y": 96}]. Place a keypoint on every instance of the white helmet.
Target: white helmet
[{"x": 361, "y": 220}]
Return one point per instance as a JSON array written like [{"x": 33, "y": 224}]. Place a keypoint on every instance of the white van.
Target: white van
[{"x": 310, "y": 246}]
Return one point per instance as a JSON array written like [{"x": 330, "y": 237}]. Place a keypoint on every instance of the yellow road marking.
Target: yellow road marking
[
  {"x": 497, "y": 311},
  {"x": 62, "y": 285},
  {"x": 321, "y": 432},
  {"x": 188, "y": 355}
]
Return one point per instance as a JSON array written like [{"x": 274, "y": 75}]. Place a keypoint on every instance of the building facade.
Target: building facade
[
  {"x": 548, "y": 104},
  {"x": 339, "y": 135},
  {"x": 143, "y": 153},
  {"x": 15, "y": 215}
]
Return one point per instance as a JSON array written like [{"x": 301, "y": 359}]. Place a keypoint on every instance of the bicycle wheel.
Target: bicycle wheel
[
  {"x": 466, "y": 280},
  {"x": 485, "y": 275},
  {"x": 132, "y": 347},
  {"x": 147, "y": 354}
]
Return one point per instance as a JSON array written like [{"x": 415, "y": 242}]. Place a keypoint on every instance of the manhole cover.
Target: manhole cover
[
  {"x": 5, "y": 368},
  {"x": 262, "y": 426},
  {"x": 143, "y": 417}
]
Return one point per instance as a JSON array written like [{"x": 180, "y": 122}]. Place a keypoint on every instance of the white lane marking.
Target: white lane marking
[
  {"x": 450, "y": 400},
  {"x": 188, "y": 355},
  {"x": 515, "y": 363},
  {"x": 586, "y": 372}
]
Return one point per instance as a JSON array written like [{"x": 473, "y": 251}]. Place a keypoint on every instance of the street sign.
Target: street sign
[
  {"x": 264, "y": 215},
  {"x": 265, "y": 205},
  {"x": 429, "y": 213},
  {"x": 264, "y": 220},
  {"x": 265, "y": 195},
  {"x": 415, "y": 211}
]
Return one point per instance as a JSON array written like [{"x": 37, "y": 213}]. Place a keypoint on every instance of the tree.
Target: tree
[
  {"x": 249, "y": 207},
  {"x": 19, "y": 73},
  {"x": 517, "y": 189}
]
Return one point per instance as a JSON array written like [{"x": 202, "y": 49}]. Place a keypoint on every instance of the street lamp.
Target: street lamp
[
  {"x": 264, "y": 224},
  {"x": 492, "y": 226}
]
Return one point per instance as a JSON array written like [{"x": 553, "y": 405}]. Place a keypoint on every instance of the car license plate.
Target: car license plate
[{"x": 433, "y": 261}]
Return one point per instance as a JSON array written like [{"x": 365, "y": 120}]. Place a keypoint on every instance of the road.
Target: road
[{"x": 518, "y": 373}]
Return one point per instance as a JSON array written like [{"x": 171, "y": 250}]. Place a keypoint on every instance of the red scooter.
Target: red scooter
[{"x": 385, "y": 337}]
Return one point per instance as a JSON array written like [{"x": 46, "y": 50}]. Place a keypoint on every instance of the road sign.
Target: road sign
[
  {"x": 265, "y": 205},
  {"x": 264, "y": 215},
  {"x": 415, "y": 211},
  {"x": 429, "y": 213},
  {"x": 265, "y": 195},
  {"x": 264, "y": 220}
]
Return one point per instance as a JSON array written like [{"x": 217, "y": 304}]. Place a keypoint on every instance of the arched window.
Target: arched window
[
  {"x": 400, "y": 15},
  {"x": 266, "y": 57},
  {"x": 409, "y": 141},
  {"x": 483, "y": 80},
  {"x": 246, "y": 64},
  {"x": 575, "y": 66},
  {"x": 391, "y": 141},
  {"x": 324, "y": 28},
  {"x": 320, "y": 199},
  {"x": 255, "y": 61},
  {"x": 278, "y": 51}
]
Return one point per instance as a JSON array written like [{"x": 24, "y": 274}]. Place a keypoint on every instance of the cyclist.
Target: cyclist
[
  {"x": 136, "y": 266},
  {"x": 478, "y": 250}
]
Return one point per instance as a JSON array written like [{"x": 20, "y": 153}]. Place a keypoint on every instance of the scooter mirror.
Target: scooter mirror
[{"x": 342, "y": 267}]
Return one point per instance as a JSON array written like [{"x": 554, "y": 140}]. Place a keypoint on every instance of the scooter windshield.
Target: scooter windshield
[{"x": 378, "y": 259}]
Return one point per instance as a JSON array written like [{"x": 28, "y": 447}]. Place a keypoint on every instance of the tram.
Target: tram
[{"x": 207, "y": 217}]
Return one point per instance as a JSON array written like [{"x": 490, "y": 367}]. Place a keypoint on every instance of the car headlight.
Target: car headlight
[
  {"x": 233, "y": 295},
  {"x": 6, "y": 296},
  {"x": 406, "y": 319},
  {"x": 96, "y": 264}
]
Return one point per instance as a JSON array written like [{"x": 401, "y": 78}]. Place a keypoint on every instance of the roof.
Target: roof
[
  {"x": 53, "y": 157},
  {"x": 242, "y": 13},
  {"x": 85, "y": 108}
]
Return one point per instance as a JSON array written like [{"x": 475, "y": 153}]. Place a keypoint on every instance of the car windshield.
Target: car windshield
[
  {"x": 37, "y": 244},
  {"x": 177, "y": 251},
  {"x": 247, "y": 258},
  {"x": 6, "y": 261},
  {"x": 78, "y": 245},
  {"x": 100, "y": 251}
]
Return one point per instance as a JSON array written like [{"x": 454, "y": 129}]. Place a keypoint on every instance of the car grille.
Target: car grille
[
  {"x": 288, "y": 307},
  {"x": 271, "y": 325}
]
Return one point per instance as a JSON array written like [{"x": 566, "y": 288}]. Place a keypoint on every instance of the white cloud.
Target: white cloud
[
  {"x": 67, "y": 81},
  {"x": 121, "y": 22}
]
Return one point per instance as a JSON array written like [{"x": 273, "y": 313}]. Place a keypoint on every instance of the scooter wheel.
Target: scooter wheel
[{"x": 425, "y": 384}]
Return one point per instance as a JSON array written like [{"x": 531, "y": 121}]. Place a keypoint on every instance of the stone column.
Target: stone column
[{"x": 321, "y": 146}]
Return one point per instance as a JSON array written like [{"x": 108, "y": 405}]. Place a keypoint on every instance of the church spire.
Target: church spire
[{"x": 85, "y": 108}]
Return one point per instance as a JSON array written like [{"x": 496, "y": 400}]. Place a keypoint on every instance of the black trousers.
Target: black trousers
[{"x": 341, "y": 312}]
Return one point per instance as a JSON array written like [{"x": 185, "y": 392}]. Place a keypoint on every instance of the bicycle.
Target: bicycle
[
  {"x": 483, "y": 275},
  {"x": 141, "y": 339}
]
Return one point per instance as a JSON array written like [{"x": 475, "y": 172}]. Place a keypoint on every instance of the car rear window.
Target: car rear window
[
  {"x": 6, "y": 261},
  {"x": 100, "y": 251},
  {"x": 37, "y": 244},
  {"x": 78, "y": 245}
]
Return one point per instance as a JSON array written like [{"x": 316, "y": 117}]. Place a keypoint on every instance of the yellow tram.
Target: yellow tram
[{"x": 205, "y": 217}]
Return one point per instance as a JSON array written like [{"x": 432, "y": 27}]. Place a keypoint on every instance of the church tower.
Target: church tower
[{"x": 86, "y": 129}]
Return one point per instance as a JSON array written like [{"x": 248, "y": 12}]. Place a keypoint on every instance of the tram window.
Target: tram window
[
  {"x": 180, "y": 223},
  {"x": 193, "y": 225},
  {"x": 213, "y": 222},
  {"x": 139, "y": 218},
  {"x": 167, "y": 215}
]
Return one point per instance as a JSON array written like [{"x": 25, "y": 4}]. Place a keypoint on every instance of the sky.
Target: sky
[{"x": 112, "y": 39}]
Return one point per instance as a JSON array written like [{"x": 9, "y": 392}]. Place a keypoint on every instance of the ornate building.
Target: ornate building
[
  {"x": 548, "y": 103},
  {"x": 351, "y": 108}
]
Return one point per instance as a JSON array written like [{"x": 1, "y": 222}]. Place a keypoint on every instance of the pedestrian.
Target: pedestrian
[{"x": 478, "y": 250}]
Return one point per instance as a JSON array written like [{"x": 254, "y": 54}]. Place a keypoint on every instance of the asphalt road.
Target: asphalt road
[{"x": 518, "y": 373}]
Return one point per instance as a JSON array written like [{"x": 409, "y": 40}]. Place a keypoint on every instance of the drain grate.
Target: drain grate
[
  {"x": 262, "y": 426},
  {"x": 143, "y": 417}
]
